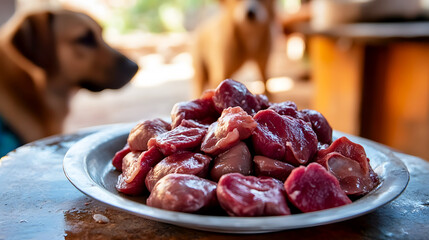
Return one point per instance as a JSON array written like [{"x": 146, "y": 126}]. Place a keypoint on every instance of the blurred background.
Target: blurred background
[{"x": 361, "y": 63}]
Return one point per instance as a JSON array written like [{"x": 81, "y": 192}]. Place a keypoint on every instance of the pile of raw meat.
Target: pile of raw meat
[{"x": 237, "y": 151}]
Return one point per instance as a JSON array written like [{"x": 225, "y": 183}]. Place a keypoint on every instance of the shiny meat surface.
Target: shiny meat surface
[
  {"x": 143, "y": 131},
  {"x": 313, "y": 188},
  {"x": 283, "y": 138},
  {"x": 183, "y": 193},
  {"x": 135, "y": 169},
  {"x": 236, "y": 159},
  {"x": 251, "y": 196},
  {"x": 233, "y": 125},
  {"x": 181, "y": 162}
]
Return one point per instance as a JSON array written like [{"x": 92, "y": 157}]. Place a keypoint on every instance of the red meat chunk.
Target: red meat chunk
[
  {"x": 182, "y": 162},
  {"x": 272, "y": 168},
  {"x": 347, "y": 161},
  {"x": 193, "y": 124},
  {"x": 283, "y": 138},
  {"x": 208, "y": 94},
  {"x": 348, "y": 149},
  {"x": 201, "y": 110},
  {"x": 231, "y": 93},
  {"x": 263, "y": 101},
  {"x": 320, "y": 125},
  {"x": 183, "y": 193},
  {"x": 313, "y": 188},
  {"x": 180, "y": 138},
  {"x": 250, "y": 196},
  {"x": 236, "y": 159},
  {"x": 289, "y": 108},
  {"x": 143, "y": 131},
  {"x": 233, "y": 125},
  {"x": 135, "y": 168},
  {"x": 119, "y": 156}
]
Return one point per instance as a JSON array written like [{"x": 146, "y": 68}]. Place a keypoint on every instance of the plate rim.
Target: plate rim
[{"x": 77, "y": 173}]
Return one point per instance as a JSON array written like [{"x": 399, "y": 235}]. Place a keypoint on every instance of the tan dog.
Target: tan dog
[
  {"x": 241, "y": 32},
  {"x": 44, "y": 57}
]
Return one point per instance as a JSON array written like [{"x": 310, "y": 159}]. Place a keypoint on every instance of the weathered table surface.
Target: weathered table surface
[{"x": 38, "y": 202}]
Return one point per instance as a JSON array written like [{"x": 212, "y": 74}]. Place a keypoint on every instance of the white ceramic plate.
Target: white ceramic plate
[{"x": 88, "y": 167}]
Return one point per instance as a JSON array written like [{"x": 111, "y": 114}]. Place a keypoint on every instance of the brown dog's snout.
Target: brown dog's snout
[
  {"x": 125, "y": 71},
  {"x": 251, "y": 14},
  {"x": 117, "y": 75}
]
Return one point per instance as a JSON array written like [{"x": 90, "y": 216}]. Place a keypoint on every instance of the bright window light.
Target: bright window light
[
  {"x": 256, "y": 87},
  {"x": 279, "y": 84},
  {"x": 295, "y": 46}
]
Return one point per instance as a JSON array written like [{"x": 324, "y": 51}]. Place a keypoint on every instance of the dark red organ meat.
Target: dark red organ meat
[
  {"x": 313, "y": 188},
  {"x": 236, "y": 159},
  {"x": 272, "y": 168},
  {"x": 182, "y": 162},
  {"x": 233, "y": 125},
  {"x": 135, "y": 168},
  {"x": 263, "y": 101},
  {"x": 320, "y": 125},
  {"x": 183, "y": 193},
  {"x": 201, "y": 110},
  {"x": 143, "y": 131},
  {"x": 119, "y": 156},
  {"x": 347, "y": 161},
  {"x": 348, "y": 149},
  {"x": 231, "y": 93},
  {"x": 193, "y": 124},
  {"x": 180, "y": 138},
  {"x": 208, "y": 94},
  {"x": 283, "y": 138},
  {"x": 250, "y": 196},
  {"x": 289, "y": 108}
]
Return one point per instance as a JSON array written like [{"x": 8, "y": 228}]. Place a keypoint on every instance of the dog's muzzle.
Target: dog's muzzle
[
  {"x": 120, "y": 74},
  {"x": 125, "y": 72},
  {"x": 251, "y": 14}
]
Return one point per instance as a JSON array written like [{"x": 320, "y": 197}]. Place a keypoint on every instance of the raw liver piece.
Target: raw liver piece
[
  {"x": 289, "y": 108},
  {"x": 250, "y": 196},
  {"x": 180, "y": 138},
  {"x": 320, "y": 125},
  {"x": 233, "y": 125},
  {"x": 283, "y": 138},
  {"x": 347, "y": 161},
  {"x": 135, "y": 168},
  {"x": 183, "y": 193},
  {"x": 313, "y": 188},
  {"x": 143, "y": 131},
  {"x": 263, "y": 101},
  {"x": 236, "y": 159},
  {"x": 231, "y": 93},
  {"x": 201, "y": 110},
  {"x": 193, "y": 124},
  {"x": 352, "y": 178},
  {"x": 272, "y": 168},
  {"x": 182, "y": 162},
  {"x": 348, "y": 149},
  {"x": 208, "y": 94},
  {"x": 119, "y": 156}
]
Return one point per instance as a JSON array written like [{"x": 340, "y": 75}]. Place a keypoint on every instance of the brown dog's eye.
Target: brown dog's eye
[{"x": 88, "y": 39}]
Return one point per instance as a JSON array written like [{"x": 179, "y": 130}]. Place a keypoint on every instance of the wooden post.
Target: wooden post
[{"x": 337, "y": 73}]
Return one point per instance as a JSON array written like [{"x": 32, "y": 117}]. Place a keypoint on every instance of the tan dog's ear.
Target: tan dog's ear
[{"x": 34, "y": 39}]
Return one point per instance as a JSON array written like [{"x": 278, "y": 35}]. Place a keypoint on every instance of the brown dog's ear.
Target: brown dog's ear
[{"x": 34, "y": 39}]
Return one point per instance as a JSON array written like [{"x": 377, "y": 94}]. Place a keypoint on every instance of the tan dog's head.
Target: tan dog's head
[
  {"x": 70, "y": 48},
  {"x": 250, "y": 11}
]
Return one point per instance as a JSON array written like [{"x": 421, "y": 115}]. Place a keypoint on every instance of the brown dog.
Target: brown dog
[
  {"x": 44, "y": 57},
  {"x": 241, "y": 32}
]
